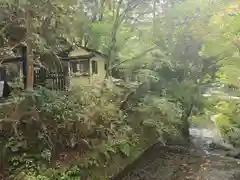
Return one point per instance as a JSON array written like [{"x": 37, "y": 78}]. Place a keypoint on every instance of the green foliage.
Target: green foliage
[
  {"x": 79, "y": 121},
  {"x": 227, "y": 120},
  {"x": 85, "y": 122},
  {"x": 51, "y": 174},
  {"x": 175, "y": 57},
  {"x": 159, "y": 115},
  {"x": 223, "y": 40}
]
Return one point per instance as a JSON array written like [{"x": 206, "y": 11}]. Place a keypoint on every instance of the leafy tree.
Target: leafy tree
[
  {"x": 222, "y": 40},
  {"x": 167, "y": 58},
  {"x": 175, "y": 70}
]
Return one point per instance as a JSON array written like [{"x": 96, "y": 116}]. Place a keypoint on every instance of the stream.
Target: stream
[
  {"x": 220, "y": 166},
  {"x": 204, "y": 159}
]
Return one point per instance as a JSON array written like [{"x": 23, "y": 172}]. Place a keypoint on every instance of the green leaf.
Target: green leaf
[
  {"x": 111, "y": 149},
  {"x": 125, "y": 149},
  {"x": 15, "y": 149},
  {"x": 149, "y": 122}
]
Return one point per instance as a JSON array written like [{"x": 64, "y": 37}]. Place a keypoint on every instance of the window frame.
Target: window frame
[
  {"x": 94, "y": 65},
  {"x": 80, "y": 66}
]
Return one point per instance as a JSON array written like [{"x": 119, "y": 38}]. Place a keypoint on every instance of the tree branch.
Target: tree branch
[
  {"x": 128, "y": 9},
  {"x": 129, "y": 95},
  {"x": 136, "y": 57},
  {"x": 112, "y": 42},
  {"x": 118, "y": 20},
  {"x": 8, "y": 24},
  {"x": 236, "y": 43}
]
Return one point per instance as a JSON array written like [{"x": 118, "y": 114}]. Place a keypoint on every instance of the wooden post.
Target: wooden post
[
  {"x": 29, "y": 59},
  {"x": 3, "y": 73},
  {"x": 24, "y": 65}
]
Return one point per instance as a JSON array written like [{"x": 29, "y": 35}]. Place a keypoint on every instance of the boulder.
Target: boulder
[{"x": 234, "y": 154}]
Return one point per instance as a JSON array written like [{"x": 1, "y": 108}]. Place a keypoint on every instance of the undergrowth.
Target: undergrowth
[
  {"x": 227, "y": 121},
  {"x": 68, "y": 135}
]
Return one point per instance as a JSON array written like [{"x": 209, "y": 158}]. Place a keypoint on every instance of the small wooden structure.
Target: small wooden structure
[
  {"x": 18, "y": 61},
  {"x": 90, "y": 68},
  {"x": 54, "y": 78}
]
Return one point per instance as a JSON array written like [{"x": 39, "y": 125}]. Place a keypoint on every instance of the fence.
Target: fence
[{"x": 54, "y": 80}]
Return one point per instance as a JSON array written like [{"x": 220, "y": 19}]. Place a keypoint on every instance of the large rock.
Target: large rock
[
  {"x": 219, "y": 146},
  {"x": 235, "y": 154}
]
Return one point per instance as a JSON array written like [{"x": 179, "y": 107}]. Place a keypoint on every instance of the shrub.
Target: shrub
[
  {"x": 83, "y": 126},
  {"x": 228, "y": 120},
  {"x": 55, "y": 124}
]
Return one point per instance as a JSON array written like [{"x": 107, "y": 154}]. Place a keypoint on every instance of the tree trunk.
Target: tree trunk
[
  {"x": 112, "y": 42},
  {"x": 184, "y": 119},
  {"x": 154, "y": 18},
  {"x": 28, "y": 21},
  {"x": 129, "y": 95}
]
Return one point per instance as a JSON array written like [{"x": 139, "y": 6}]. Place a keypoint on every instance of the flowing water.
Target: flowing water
[
  {"x": 202, "y": 161},
  {"x": 207, "y": 139},
  {"x": 220, "y": 167}
]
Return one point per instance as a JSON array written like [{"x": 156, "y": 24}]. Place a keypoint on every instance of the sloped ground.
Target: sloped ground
[
  {"x": 180, "y": 163},
  {"x": 220, "y": 168}
]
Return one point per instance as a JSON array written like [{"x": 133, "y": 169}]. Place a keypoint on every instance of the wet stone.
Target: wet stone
[{"x": 179, "y": 163}]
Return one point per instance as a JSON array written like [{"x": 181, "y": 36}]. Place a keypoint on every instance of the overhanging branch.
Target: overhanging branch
[{"x": 136, "y": 57}]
